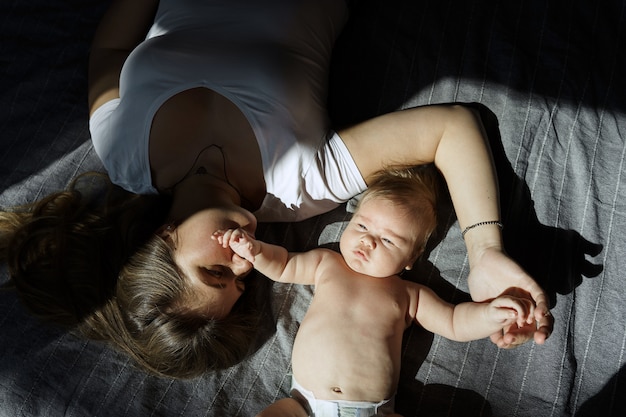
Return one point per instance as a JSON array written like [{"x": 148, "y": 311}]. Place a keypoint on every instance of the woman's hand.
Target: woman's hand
[{"x": 493, "y": 274}]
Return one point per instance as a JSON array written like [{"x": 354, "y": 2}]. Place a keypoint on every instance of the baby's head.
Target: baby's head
[{"x": 392, "y": 222}]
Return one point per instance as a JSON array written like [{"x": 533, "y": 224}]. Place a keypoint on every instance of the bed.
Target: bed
[{"x": 548, "y": 79}]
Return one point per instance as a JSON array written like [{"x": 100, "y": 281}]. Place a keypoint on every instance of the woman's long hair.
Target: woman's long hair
[
  {"x": 87, "y": 258},
  {"x": 148, "y": 319}
]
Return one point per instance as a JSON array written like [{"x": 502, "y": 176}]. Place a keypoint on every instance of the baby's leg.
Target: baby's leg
[{"x": 287, "y": 407}]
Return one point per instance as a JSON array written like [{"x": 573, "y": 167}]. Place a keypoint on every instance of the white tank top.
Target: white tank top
[{"x": 270, "y": 58}]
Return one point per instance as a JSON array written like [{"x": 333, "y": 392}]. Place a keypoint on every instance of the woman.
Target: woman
[{"x": 221, "y": 110}]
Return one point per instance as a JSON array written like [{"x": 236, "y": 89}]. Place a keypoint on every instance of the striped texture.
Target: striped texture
[{"x": 548, "y": 77}]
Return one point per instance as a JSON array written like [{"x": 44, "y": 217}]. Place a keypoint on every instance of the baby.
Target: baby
[{"x": 346, "y": 354}]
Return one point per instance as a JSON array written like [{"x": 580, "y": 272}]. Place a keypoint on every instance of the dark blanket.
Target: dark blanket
[{"x": 548, "y": 78}]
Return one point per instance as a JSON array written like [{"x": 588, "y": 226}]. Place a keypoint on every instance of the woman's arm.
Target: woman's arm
[
  {"x": 123, "y": 27},
  {"x": 450, "y": 136},
  {"x": 454, "y": 139}
]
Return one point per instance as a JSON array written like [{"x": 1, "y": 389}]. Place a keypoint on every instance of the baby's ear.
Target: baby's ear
[{"x": 415, "y": 257}]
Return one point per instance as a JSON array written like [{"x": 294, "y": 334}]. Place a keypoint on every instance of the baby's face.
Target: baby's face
[{"x": 380, "y": 240}]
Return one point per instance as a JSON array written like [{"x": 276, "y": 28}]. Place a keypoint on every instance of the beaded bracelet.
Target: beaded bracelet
[{"x": 468, "y": 228}]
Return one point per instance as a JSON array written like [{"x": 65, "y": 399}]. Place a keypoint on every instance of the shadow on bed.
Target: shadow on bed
[
  {"x": 603, "y": 403},
  {"x": 555, "y": 257},
  {"x": 466, "y": 402},
  {"x": 389, "y": 51},
  {"x": 415, "y": 398}
]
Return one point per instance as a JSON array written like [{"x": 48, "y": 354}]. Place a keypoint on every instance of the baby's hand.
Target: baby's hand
[
  {"x": 239, "y": 241},
  {"x": 508, "y": 309}
]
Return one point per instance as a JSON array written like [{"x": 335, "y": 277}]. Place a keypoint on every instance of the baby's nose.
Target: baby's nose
[{"x": 367, "y": 240}]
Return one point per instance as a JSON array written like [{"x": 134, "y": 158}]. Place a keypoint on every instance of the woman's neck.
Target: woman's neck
[
  {"x": 200, "y": 191},
  {"x": 200, "y": 128}
]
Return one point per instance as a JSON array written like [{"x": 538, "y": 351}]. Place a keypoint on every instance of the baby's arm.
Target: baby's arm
[
  {"x": 273, "y": 261},
  {"x": 470, "y": 320}
]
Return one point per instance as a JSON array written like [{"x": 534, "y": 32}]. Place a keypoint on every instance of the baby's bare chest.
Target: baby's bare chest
[
  {"x": 361, "y": 304},
  {"x": 345, "y": 327}
]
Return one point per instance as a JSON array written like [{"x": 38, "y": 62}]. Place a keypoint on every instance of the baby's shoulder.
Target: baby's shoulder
[
  {"x": 412, "y": 289},
  {"x": 329, "y": 255}
]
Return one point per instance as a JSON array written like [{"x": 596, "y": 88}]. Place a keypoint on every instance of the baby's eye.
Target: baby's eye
[
  {"x": 361, "y": 226},
  {"x": 387, "y": 241}
]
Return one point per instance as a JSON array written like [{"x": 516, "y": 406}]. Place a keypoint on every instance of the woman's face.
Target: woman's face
[
  {"x": 380, "y": 239},
  {"x": 216, "y": 273}
]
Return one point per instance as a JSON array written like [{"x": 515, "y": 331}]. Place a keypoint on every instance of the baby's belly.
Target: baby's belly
[{"x": 347, "y": 360}]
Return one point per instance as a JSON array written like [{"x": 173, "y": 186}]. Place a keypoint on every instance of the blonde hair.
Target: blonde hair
[
  {"x": 147, "y": 319},
  {"x": 90, "y": 261},
  {"x": 414, "y": 189}
]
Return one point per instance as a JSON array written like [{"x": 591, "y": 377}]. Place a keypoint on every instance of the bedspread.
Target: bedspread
[{"x": 548, "y": 79}]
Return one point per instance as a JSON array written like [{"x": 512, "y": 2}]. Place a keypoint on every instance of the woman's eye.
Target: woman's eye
[{"x": 214, "y": 272}]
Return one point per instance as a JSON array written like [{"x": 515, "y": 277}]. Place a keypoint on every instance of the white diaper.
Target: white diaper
[{"x": 328, "y": 408}]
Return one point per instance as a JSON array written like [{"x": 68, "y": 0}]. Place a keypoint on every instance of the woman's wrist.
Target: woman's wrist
[
  {"x": 484, "y": 223},
  {"x": 481, "y": 237}
]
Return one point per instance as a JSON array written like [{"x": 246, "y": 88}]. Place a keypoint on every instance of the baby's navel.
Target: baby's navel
[{"x": 336, "y": 390}]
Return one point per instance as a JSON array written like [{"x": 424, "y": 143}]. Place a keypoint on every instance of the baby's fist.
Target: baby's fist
[{"x": 239, "y": 241}]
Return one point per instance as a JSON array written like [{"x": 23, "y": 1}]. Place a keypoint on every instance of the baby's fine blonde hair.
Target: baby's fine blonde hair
[{"x": 413, "y": 188}]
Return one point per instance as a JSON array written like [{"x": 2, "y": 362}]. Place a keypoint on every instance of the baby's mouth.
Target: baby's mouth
[{"x": 361, "y": 255}]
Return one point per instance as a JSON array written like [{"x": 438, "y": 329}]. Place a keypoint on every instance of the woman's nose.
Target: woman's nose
[{"x": 240, "y": 266}]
